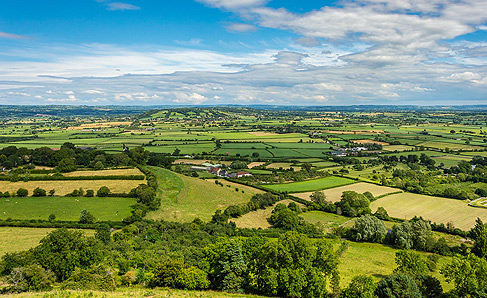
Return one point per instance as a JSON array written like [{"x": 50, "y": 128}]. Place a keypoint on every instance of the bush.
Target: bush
[
  {"x": 30, "y": 278},
  {"x": 98, "y": 277},
  {"x": 369, "y": 228},
  {"x": 22, "y": 192},
  {"x": 90, "y": 193},
  {"x": 103, "y": 192},
  {"x": 39, "y": 192},
  {"x": 398, "y": 285},
  {"x": 179, "y": 275}
]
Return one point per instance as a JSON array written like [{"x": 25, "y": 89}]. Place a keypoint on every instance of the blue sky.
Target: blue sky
[{"x": 308, "y": 52}]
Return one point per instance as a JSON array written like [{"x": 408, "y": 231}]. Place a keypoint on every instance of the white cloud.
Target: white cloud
[
  {"x": 233, "y": 4},
  {"x": 121, "y": 6},
  {"x": 12, "y": 36},
  {"x": 240, "y": 27},
  {"x": 193, "y": 42}
]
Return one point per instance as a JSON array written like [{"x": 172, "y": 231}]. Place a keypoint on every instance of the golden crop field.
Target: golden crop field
[
  {"x": 63, "y": 187},
  {"x": 111, "y": 172},
  {"x": 335, "y": 194}
]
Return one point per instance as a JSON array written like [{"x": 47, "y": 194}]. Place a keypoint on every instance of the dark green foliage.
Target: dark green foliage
[
  {"x": 354, "y": 204},
  {"x": 429, "y": 286},
  {"x": 361, "y": 286},
  {"x": 382, "y": 214},
  {"x": 61, "y": 251},
  {"x": 479, "y": 235},
  {"x": 415, "y": 233},
  {"x": 14, "y": 260},
  {"x": 397, "y": 286},
  {"x": 233, "y": 271},
  {"x": 22, "y": 192},
  {"x": 90, "y": 193},
  {"x": 39, "y": 192},
  {"x": 293, "y": 266},
  {"x": 284, "y": 218},
  {"x": 66, "y": 165},
  {"x": 103, "y": 233},
  {"x": 238, "y": 165},
  {"x": 30, "y": 278},
  {"x": 86, "y": 217},
  {"x": 52, "y": 217},
  {"x": 369, "y": 228},
  {"x": 467, "y": 273},
  {"x": 410, "y": 263},
  {"x": 179, "y": 275},
  {"x": 103, "y": 192},
  {"x": 98, "y": 277}
]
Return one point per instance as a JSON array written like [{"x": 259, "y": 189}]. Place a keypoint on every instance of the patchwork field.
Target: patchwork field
[
  {"x": 65, "y": 208},
  {"x": 63, "y": 187},
  {"x": 310, "y": 185},
  {"x": 257, "y": 219},
  {"x": 186, "y": 198},
  {"x": 113, "y": 172},
  {"x": 440, "y": 210},
  {"x": 335, "y": 194},
  {"x": 324, "y": 220},
  {"x": 25, "y": 238}
]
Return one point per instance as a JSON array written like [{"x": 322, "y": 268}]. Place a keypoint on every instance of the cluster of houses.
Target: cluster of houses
[
  {"x": 216, "y": 169},
  {"x": 343, "y": 151}
]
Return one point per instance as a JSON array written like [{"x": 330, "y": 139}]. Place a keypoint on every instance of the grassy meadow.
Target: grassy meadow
[
  {"x": 65, "y": 208},
  {"x": 186, "y": 198},
  {"x": 25, "y": 238}
]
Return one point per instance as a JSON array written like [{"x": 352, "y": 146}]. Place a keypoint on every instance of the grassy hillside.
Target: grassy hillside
[{"x": 186, "y": 198}]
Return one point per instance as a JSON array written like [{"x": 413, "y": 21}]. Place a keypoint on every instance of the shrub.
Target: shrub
[
  {"x": 103, "y": 192},
  {"x": 369, "y": 228},
  {"x": 98, "y": 277},
  {"x": 30, "y": 278},
  {"x": 22, "y": 192},
  {"x": 177, "y": 274},
  {"x": 90, "y": 193},
  {"x": 39, "y": 192}
]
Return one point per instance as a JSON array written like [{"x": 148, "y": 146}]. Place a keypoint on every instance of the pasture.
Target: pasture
[
  {"x": 186, "y": 198},
  {"x": 335, "y": 194},
  {"x": 258, "y": 219},
  {"x": 25, "y": 238},
  {"x": 439, "y": 210},
  {"x": 65, "y": 208},
  {"x": 310, "y": 185},
  {"x": 376, "y": 260}
]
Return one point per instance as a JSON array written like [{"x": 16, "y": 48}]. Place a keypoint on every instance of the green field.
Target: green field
[
  {"x": 25, "y": 238},
  {"x": 65, "y": 208},
  {"x": 376, "y": 260},
  {"x": 186, "y": 198},
  {"x": 310, "y": 185},
  {"x": 439, "y": 210}
]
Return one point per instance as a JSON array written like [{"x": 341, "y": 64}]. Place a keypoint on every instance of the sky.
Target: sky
[{"x": 271, "y": 52}]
